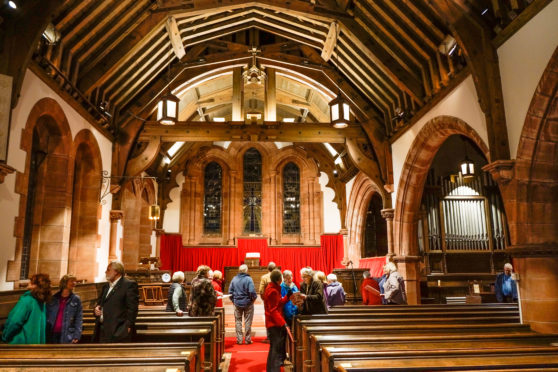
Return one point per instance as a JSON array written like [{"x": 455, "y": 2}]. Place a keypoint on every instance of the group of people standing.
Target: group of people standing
[{"x": 389, "y": 289}]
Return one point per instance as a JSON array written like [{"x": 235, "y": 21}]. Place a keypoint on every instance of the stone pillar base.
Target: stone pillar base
[
  {"x": 408, "y": 267},
  {"x": 538, "y": 285}
]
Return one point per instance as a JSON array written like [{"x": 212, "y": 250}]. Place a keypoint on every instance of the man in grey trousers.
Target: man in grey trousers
[{"x": 243, "y": 294}]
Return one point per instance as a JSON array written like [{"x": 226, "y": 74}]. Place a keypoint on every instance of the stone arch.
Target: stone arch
[
  {"x": 531, "y": 201},
  {"x": 42, "y": 227},
  {"x": 137, "y": 195},
  {"x": 409, "y": 193},
  {"x": 536, "y": 166},
  {"x": 414, "y": 172},
  {"x": 361, "y": 193},
  {"x": 84, "y": 238}
]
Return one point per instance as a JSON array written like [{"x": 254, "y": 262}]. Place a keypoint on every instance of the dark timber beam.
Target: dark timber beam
[
  {"x": 20, "y": 32},
  {"x": 475, "y": 38},
  {"x": 239, "y": 131}
]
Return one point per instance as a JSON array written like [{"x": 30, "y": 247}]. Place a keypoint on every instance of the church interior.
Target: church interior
[{"x": 335, "y": 134}]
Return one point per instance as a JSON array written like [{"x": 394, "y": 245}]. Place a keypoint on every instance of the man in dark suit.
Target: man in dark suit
[{"x": 117, "y": 308}]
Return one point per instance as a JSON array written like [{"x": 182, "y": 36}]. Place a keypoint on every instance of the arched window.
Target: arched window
[
  {"x": 375, "y": 230},
  {"x": 252, "y": 204},
  {"x": 291, "y": 199},
  {"x": 213, "y": 197}
]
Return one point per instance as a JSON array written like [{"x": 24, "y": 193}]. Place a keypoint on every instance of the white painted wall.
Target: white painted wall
[
  {"x": 171, "y": 221},
  {"x": 332, "y": 217},
  {"x": 461, "y": 103},
  {"x": 523, "y": 58},
  {"x": 33, "y": 90}
]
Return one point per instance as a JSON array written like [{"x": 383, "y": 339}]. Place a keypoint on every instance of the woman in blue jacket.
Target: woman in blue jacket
[{"x": 65, "y": 313}]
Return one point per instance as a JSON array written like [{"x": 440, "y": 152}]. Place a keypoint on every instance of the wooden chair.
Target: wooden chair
[{"x": 153, "y": 295}]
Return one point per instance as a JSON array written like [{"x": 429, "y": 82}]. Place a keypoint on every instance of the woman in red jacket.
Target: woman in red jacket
[
  {"x": 274, "y": 322},
  {"x": 217, "y": 284}
]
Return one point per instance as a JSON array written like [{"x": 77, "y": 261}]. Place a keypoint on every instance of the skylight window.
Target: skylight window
[
  {"x": 174, "y": 148},
  {"x": 330, "y": 149},
  {"x": 288, "y": 120}
]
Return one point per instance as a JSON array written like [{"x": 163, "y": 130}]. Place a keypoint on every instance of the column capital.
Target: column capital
[
  {"x": 344, "y": 232},
  {"x": 5, "y": 169},
  {"x": 116, "y": 215},
  {"x": 406, "y": 259},
  {"x": 159, "y": 232},
  {"x": 502, "y": 171},
  {"x": 388, "y": 213}
]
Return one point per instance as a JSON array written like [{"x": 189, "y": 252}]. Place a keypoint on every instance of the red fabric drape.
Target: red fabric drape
[
  {"x": 327, "y": 257},
  {"x": 375, "y": 264}
]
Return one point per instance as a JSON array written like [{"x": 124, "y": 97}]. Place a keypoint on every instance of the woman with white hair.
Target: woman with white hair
[
  {"x": 334, "y": 291},
  {"x": 394, "y": 286},
  {"x": 312, "y": 292},
  {"x": 176, "y": 300},
  {"x": 289, "y": 309}
]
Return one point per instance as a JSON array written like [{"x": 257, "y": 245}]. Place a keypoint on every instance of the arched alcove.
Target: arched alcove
[
  {"x": 84, "y": 238},
  {"x": 46, "y": 194}
]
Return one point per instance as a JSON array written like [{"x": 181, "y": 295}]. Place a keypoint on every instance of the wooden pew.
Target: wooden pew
[
  {"x": 507, "y": 361},
  {"x": 102, "y": 356},
  {"x": 193, "y": 351},
  {"x": 429, "y": 307},
  {"x": 331, "y": 353},
  {"x": 219, "y": 312},
  {"x": 181, "y": 330},
  {"x": 303, "y": 351}
]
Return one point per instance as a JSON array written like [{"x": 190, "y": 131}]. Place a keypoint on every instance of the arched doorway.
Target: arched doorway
[{"x": 86, "y": 191}]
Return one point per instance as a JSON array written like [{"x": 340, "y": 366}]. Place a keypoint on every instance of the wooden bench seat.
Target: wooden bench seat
[
  {"x": 194, "y": 351},
  {"x": 178, "y": 330},
  {"x": 508, "y": 362},
  {"x": 303, "y": 351},
  {"x": 332, "y": 353}
]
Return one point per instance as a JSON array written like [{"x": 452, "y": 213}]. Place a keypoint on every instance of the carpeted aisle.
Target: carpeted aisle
[{"x": 249, "y": 358}]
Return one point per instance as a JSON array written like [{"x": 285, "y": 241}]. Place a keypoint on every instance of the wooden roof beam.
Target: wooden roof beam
[
  {"x": 175, "y": 38},
  {"x": 197, "y": 131}
]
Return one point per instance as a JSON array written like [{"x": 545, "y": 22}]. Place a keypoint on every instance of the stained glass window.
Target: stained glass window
[
  {"x": 291, "y": 199},
  {"x": 213, "y": 185},
  {"x": 252, "y": 204}
]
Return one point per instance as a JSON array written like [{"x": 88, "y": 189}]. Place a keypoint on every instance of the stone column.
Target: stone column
[
  {"x": 388, "y": 215},
  {"x": 158, "y": 233},
  {"x": 346, "y": 259},
  {"x": 115, "y": 216},
  {"x": 408, "y": 267}
]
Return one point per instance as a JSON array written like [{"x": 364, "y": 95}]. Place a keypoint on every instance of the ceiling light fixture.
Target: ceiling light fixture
[
  {"x": 12, "y": 4},
  {"x": 339, "y": 109},
  {"x": 167, "y": 108},
  {"x": 467, "y": 166}
]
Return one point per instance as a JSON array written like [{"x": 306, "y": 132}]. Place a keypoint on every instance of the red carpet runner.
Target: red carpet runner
[{"x": 249, "y": 358}]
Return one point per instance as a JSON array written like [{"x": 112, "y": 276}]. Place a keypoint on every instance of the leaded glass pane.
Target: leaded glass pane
[
  {"x": 252, "y": 205},
  {"x": 291, "y": 199},
  {"x": 213, "y": 185},
  {"x": 375, "y": 229}
]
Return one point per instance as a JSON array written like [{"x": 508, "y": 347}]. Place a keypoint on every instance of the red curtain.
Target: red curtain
[
  {"x": 327, "y": 257},
  {"x": 375, "y": 264}
]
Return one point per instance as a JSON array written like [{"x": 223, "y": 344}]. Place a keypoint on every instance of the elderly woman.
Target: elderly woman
[
  {"x": 312, "y": 292},
  {"x": 26, "y": 323},
  {"x": 65, "y": 313},
  {"x": 176, "y": 300},
  {"x": 274, "y": 321},
  {"x": 289, "y": 309},
  {"x": 217, "y": 284},
  {"x": 202, "y": 295},
  {"x": 394, "y": 286},
  {"x": 334, "y": 291}
]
